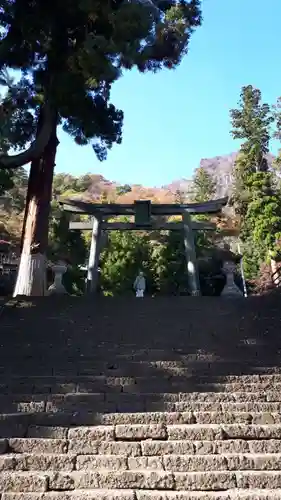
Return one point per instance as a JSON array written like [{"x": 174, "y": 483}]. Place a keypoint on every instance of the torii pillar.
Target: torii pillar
[
  {"x": 190, "y": 255},
  {"x": 93, "y": 264}
]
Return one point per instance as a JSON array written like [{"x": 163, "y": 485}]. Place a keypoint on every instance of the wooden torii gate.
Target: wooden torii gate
[{"x": 144, "y": 213}]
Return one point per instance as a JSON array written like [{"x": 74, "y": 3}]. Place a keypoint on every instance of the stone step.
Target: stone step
[
  {"x": 253, "y": 375},
  {"x": 93, "y": 357},
  {"x": 185, "y": 463},
  {"x": 60, "y": 384},
  {"x": 268, "y": 402},
  {"x": 127, "y": 432},
  {"x": 196, "y": 432},
  {"x": 138, "y": 479},
  {"x": 235, "y": 494},
  {"x": 144, "y": 384},
  {"x": 207, "y": 432},
  {"x": 29, "y": 427},
  {"x": 251, "y": 407},
  {"x": 146, "y": 448},
  {"x": 194, "y": 420},
  {"x": 116, "y": 398},
  {"x": 160, "y": 448},
  {"x": 117, "y": 377},
  {"x": 165, "y": 463},
  {"x": 147, "y": 418},
  {"x": 35, "y": 367}
]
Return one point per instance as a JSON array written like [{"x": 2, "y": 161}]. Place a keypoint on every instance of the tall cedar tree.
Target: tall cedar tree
[
  {"x": 203, "y": 185},
  {"x": 277, "y": 135},
  {"x": 69, "y": 54},
  {"x": 255, "y": 196}
]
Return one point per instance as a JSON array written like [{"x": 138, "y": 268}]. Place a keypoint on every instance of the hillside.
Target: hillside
[
  {"x": 220, "y": 167},
  {"x": 96, "y": 188}
]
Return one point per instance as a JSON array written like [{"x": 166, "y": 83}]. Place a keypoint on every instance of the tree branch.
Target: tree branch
[{"x": 36, "y": 148}]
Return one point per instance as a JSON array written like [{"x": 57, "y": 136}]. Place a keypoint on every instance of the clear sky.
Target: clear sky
[{"x": 175, "y": 118}]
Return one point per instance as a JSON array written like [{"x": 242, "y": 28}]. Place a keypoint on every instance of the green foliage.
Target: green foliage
[
  {"x": 161, "y": 257},
  {"x": 18, "y": 190},
  {"x": 277, "y": 135},
  {"x": 179, "y": 197},
  {"x": 64, "y": 183},
  {"x": 251, "y": 123},
  {"x": 6, "y": 181},
  {"x": 123, "y": 189},
  {"x": 204, "y": 185},
  {"x": 125, "y": 254},
  {"x": 63, "y": 243},
  {"x": 14, "y": 183},
  {"x": 71, "y": 53},
  {"x": 256, "y": 196}
]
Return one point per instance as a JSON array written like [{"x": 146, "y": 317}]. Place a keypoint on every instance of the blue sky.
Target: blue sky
[{"x": 175, "y": 118}]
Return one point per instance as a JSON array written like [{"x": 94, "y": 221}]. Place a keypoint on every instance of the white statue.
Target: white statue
[{"x": 140, "y": 284}]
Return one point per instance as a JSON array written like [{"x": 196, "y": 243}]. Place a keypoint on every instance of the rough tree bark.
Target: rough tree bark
[{"x": 31, "y": 279}]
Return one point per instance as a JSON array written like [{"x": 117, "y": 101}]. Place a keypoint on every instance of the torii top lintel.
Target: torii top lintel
[{"x": 96, "y": 209}]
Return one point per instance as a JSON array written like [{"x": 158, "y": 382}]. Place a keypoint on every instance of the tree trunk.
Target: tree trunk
[{"x": 31, "y": 279}]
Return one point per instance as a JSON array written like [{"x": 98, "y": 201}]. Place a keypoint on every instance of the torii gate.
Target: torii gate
[{"x": 143, "y": 211}]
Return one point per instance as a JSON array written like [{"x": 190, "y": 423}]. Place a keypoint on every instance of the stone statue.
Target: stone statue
[{"x": 140, "y": 284}]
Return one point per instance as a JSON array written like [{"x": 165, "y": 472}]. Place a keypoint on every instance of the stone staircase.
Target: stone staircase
[{"x": 168, "y": 399}]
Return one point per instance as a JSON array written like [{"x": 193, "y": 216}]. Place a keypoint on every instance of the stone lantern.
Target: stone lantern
[
  {"x": 230, "y": 289},
  {"x": 57, "y": 288}
]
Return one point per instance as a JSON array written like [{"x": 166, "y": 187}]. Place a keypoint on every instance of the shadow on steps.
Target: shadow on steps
[{"x": 76, "y": 361}]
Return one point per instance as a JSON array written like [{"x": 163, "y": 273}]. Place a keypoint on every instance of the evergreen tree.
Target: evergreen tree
[
  {"x": 126, "y": 188},
  {"x": 277, "y": 135},
  {"x": 204, "y": 185},
  {"x": 69, "y": 55},
  {"x": 256, "y": 197},
  {"x": 125, "y": 254},
  {"x": 179, "y": 197}
]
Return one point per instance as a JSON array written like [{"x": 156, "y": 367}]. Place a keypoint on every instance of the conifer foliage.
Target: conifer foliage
[
  {"x": 256, "y": 196},
  {"x": 68, "y": 54}
]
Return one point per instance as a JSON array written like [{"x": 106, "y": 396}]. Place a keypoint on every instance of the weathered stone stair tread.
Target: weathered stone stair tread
[
  {"x": 165, "y": 385},
  {"x": 174, "y": 432},
  {"x": 69, "y": 462},
  {"x": 145, "y": 448},
  {"x": 195, "y": 463},
  {"x": 114, "y": 406},
  {"x": 113, "y": 377},
  {"x": 104, "y": 494},
  {"x": 138, "y": 479},
  {"x": 46, "y": 402},
  {"x": 115, "y": 396},
  {"x": 258, "y": 374},
  {"x": 60, "y": 412}
]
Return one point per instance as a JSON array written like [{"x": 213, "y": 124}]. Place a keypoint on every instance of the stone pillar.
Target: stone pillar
[
  {"x": 92, "y": 276},
  {"x": 190, "y": 253},
  {"x": 57, "y": 287},
  {"x": 230, "y": 289}
]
